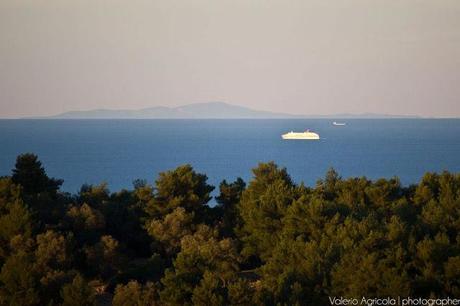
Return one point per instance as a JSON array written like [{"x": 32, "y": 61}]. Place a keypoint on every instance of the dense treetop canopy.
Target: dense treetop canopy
[{"x": 267, "y": 242}]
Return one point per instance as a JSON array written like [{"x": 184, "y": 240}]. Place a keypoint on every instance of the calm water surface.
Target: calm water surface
[{"x": 119, "y": 151}]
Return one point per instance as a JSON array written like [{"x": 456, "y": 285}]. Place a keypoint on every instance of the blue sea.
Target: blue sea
[{"x": 120, "y": 151}]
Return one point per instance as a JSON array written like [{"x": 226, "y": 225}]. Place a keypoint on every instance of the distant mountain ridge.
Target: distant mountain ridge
[
  {"x": 211, "y": 110},
  {"x": 364, "y": 116}
]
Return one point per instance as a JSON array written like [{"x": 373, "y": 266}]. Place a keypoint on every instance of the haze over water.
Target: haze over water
[
  {"x": 309, "y": 57},
  {"x": 120, "y": 151}
]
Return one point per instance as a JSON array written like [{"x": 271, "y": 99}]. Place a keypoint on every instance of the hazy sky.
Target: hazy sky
[{"x": 309, "y": 57}]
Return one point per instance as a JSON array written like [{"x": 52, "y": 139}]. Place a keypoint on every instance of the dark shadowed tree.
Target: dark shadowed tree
[
  {"x": 270, "y": 243},
  {"x": 39, "y": 190},
  {"x": 29, "y": 173},
  {"x": 228, "y": 199},
  {"x": 77, "y": 293}
]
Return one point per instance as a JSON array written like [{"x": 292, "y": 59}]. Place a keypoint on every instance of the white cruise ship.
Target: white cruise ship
[{"x": 307, "y": 135}]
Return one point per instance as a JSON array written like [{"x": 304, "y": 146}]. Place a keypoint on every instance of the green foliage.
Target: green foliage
[
  {"x": 39, "y": 191},
  {"x": 182, "y": 187},
  {"x": 30, "y": 174},
  {"x": 9, "y": 193},
  {"x": 263, "y": 204},
  {"x": 16, "y": 221},
  {"x": 124, "y": 218},
  {"x": 94, "y": 195},
  {"x": 452, "y": 275},
  {"x": 210, "y": 291},
  {"x": 105, "y": 257},
  {"x": 53, "y": 261},
  {"x": 228, "y": 199},
  {"x": 143, "y": 269},
  {"x": 86, "y": 222},
  {"x": 240, "y": 292},
  {"x": 135, "y": 294},
  {"x": 200, "y": 253},
  {"x": 77, "y": 293},
  {"x": 53, "y": 250},
  {"x": 15, "y": 218},
  {"x": 19, "y": 281},
  {"x": 271, "y": 242},
  {"x": 372, "y": 273},
  {"x": 171, "y": 229}
]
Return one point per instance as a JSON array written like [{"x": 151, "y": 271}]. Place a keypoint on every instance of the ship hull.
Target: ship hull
[{"x": 300, "y": 137}]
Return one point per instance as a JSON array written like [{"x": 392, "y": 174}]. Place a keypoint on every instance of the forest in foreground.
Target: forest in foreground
[{"x": 266, "y": 242}]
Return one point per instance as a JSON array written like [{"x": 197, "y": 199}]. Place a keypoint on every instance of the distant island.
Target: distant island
[{"x": 210, "y": 110}]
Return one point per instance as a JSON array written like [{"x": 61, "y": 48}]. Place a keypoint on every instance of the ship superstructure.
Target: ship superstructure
[{"x": 307, "y": 135}]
